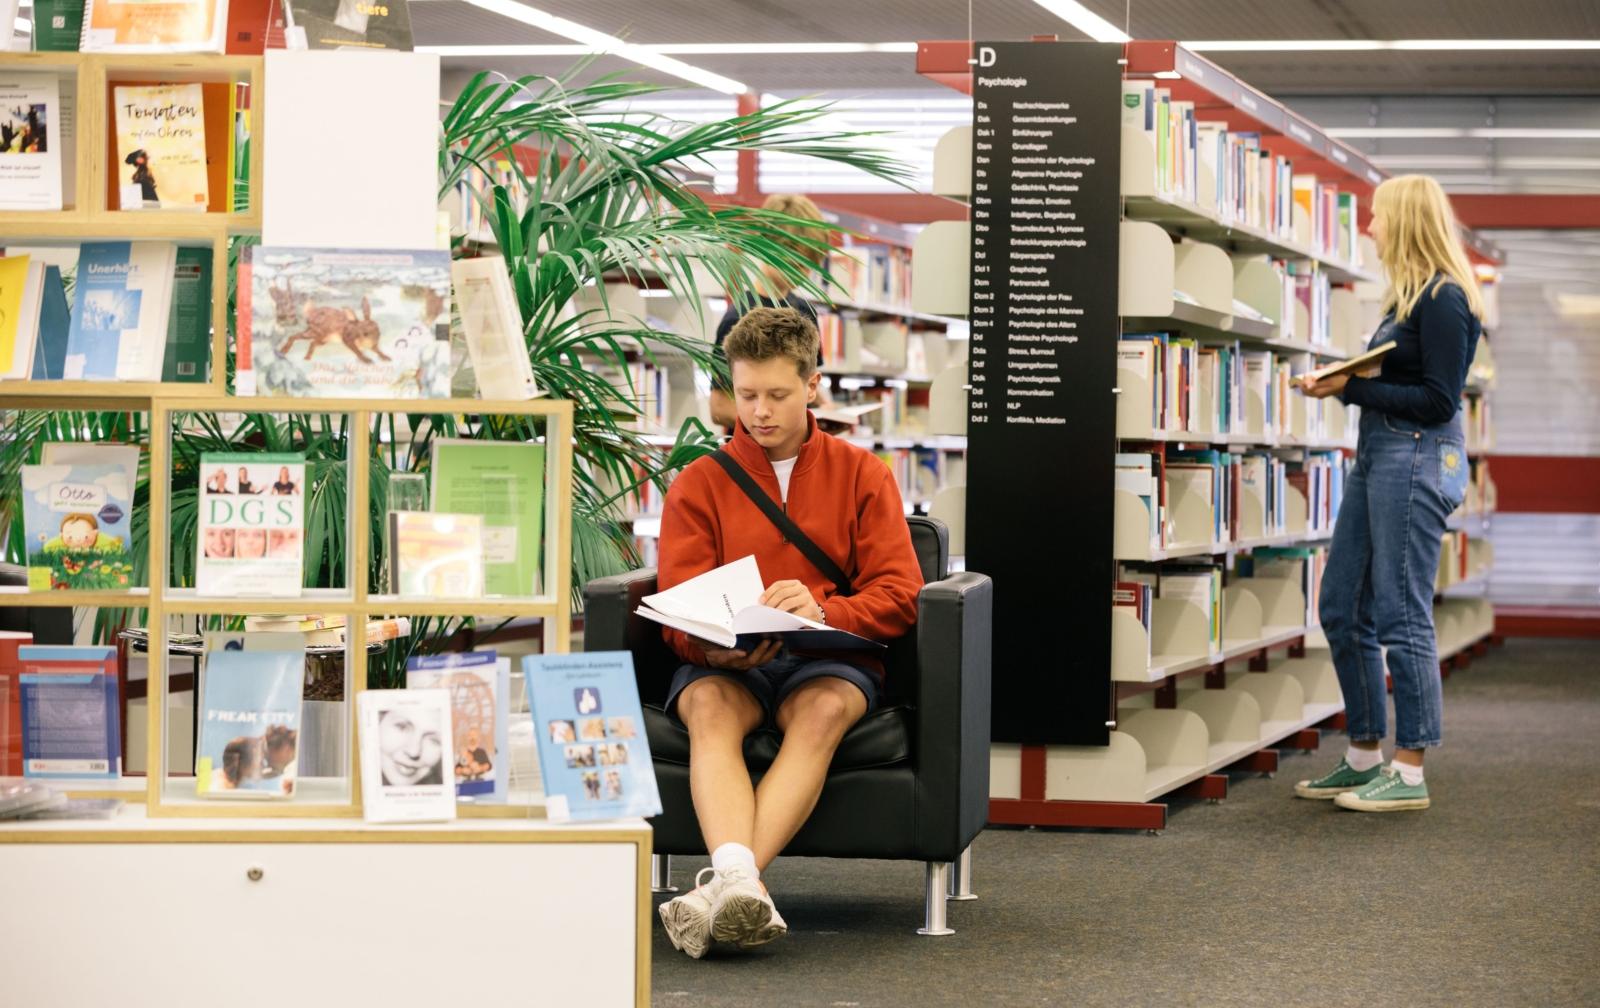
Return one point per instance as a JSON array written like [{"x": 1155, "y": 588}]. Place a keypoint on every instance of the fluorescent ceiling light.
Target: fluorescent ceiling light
[
  {"x": 682, "y": 49},
  {"x": 601, "y": 42},
  {"x": 1374, "y": 45},
  {"x": 1083, "y": 19}
]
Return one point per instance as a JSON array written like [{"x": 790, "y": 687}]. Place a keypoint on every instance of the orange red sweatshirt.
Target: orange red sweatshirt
[{"x": 843, "y": 497}]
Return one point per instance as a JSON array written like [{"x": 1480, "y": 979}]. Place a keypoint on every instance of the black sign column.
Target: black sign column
[{"x": 1046, "y": 164}]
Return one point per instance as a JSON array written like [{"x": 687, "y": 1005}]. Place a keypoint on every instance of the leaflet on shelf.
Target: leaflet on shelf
[
  {"x": 479, "y": 687},
  {"x": 436, "y": 555},
  {"x": 121, "y": 304},
  {"x": 177, "y": 26},
  {"x": 405, "y": 736},
  {"x": 57, "y": 25},
  {"x": 69, "y": 709},
  {"x": 33, "y": 138},
  {"x": 503, "y": 481},
  {"x": 349, "y": 24},
  {"x": 21, "y": 297},
  {"x": 593, "y": 754},
  {"x": 55, "y": 323},
  {"x": 373, "y": 323},
  {"x": 492, "y": 323},
  {"x": 251, "y": 524}
]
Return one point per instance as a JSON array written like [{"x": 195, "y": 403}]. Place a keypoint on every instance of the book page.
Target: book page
[{"x": 713, "y": 597}]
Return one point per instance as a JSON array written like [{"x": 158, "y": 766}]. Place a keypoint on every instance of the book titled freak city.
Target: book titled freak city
[{"x": 592, "y": 751}]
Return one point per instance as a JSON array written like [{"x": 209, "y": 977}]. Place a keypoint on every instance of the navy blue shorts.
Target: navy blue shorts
[{"x": 771, "y": 684}]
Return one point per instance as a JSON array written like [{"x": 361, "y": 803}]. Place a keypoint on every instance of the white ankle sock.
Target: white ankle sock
[
  {"x": 1412, "y": 775},
  {"x": 1361, "y": 760},
  {"x": 730, "y": 854}
]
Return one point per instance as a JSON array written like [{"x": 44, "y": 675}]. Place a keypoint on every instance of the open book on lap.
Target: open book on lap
[{"x": 723, "y": 607}]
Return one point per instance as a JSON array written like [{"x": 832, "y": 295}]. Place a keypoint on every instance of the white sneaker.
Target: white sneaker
[
  {"x": 687, "y": 919},
  {"x": 742, "y": 913}
]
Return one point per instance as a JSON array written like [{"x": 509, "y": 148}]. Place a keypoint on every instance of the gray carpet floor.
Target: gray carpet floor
[{"x": 1491, "y": 897}]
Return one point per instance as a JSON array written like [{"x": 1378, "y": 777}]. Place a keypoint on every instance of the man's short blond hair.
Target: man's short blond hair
[
  {"x": 768, "y": 333},
  {"x": 795, "y": 205}
]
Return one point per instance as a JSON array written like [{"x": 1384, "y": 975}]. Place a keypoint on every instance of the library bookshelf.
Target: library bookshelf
[
  {"x": 1197, "y": 693},
  {"x": 89, "y": 216}
]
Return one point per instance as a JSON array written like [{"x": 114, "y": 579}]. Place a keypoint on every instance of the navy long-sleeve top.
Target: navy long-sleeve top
[{"x": 1422, "y": 377}]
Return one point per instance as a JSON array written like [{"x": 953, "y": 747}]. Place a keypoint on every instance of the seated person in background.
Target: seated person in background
[
  {"x": 845, "y": 500},
  {"x": 776, "y": 291}
]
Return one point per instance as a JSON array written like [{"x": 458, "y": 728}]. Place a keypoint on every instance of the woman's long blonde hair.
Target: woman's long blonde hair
[{"x": 1420, "y": 241}]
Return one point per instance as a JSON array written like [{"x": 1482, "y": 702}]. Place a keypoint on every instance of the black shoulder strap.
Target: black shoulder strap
[{"x": 785, "y": 524}]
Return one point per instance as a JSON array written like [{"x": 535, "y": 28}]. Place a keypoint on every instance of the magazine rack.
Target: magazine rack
[{"x": 89, "y": 217}]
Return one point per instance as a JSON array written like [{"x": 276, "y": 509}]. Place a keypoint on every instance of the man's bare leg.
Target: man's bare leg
[
  {"x": 719, "y": 713},
  {"x": 813, "y": 720}
]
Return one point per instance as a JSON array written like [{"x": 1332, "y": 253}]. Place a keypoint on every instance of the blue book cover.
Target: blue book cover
[
  {"x": 50, "y": 351},
  {"x": 249, "y": 724},
  {"x": 479, "y": 684},
  {"x": 592, "y": 750},
  {"x": 118, "y": 329},
  {"x": 70, "y": 722},
  {"x": 77, "y": 526}
]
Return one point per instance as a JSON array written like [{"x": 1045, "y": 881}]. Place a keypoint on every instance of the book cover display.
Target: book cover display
[
  {"x": 493, "y": 327},
  {"x": 78, "y": 526},
  {"x": 436, "y": 555},
  {"x": 146, "y": 26},
  {"x": 21, "y": 283},
  {"x": 161, "y": 147},
  {"x": 70, "y": 724},
  {"x": 57, "y": 25},
  {"x": 30, "y": 141},
  {"x": 249, "y": 724},
  {"x": 592, "y": 749},
  {"x": 350, "y": 24},
  {"x": 334, "y": 323},
  {"x": 251, "y": 524},
  {"x": 405, "y": 740},
  {"x": 119, "y": 314},
  {"x": 479, "y": 685},
  {"x": 504, "y": 482},
  {"x": 55, "y": 321},
  {"x": 189, "y": 324}
]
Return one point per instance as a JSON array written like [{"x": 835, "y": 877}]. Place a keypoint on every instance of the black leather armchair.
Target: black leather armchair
[{"x": 909, "y": 782}]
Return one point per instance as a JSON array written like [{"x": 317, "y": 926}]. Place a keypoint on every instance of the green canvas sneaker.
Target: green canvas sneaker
[
  {"x": 1337, "y": 783},
  {"x": 1389, "y": 793}
]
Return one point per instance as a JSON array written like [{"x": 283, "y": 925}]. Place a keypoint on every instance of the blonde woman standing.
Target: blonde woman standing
[{"x": 1410, "y": 472}]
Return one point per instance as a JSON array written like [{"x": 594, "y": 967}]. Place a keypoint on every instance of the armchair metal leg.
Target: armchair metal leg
[
  {"x": 936, "y": 883},
  {"x": 661, "y": 874},
  {"x": 961, "y": 878}
]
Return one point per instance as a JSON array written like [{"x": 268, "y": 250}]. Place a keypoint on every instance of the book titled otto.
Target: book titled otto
[
  {"x": 161, "y": 147},
  {"x": 333, "y": 323},
  {"x": 78, "y": 526},
  {"x": 251, "y": 524}
]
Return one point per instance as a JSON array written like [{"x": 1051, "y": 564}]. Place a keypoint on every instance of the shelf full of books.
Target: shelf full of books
[{"x": 1240, "y": 266}]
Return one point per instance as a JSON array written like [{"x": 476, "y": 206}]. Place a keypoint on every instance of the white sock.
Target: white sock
[
  {"x": 1412, "y": 775},
  {"x": 1362, "y": 760},
  {"x": 730, "y": 854}
]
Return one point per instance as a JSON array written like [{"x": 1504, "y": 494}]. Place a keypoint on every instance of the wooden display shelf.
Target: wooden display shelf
[{"x": 132, "y": 598}]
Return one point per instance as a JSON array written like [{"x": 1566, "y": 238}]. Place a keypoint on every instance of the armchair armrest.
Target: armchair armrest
[
  {"x": 609, "y": 624},
  {"x": 954, "y": 625}
]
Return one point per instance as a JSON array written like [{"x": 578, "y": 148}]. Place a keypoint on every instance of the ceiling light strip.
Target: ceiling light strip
[
  {"x": 601, "y": 42},
  {"x": 1085, "y": 20}
]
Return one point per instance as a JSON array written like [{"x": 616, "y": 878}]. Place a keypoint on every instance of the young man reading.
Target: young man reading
[{"x": 845, "y": 500}]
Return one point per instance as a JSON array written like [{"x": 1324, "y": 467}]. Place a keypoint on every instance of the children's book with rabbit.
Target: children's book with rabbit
[{"x": 344, "y": 323}]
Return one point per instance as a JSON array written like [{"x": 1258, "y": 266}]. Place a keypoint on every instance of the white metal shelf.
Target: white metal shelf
[{"x": 1196, "y": 222}]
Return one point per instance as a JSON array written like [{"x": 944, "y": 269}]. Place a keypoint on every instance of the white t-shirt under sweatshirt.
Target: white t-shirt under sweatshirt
[{"x": 784, "y": 470}]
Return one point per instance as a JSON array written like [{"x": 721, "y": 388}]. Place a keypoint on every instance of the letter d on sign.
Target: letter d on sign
[{"x": 985, "y": 56}]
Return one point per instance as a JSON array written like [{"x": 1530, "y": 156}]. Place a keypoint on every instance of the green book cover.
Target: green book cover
[
  {"x": 57, "y": 25},
  {"x": 504, "y": 482},
  {"x": 189, "y": 323}
]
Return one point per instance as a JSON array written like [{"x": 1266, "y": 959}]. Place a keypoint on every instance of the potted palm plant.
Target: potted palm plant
[{"x": 594, "y": 193}]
